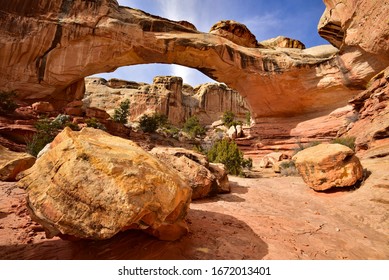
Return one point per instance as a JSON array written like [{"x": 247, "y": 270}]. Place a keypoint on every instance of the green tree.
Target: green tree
[
  {"x": 153, "y": 122},
  {"x": 46, "y": 130},
  {"x": 228, "y": 153},
  {"x": 228, "y": 118},
  {"x": 193, "y": 127},
  {"x": 120, "y": 114}
]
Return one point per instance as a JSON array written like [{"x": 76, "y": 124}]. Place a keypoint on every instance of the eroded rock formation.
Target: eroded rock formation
[
  {"x": 46, "y": 52},
  {"x": 166, "y": 95},
  {"x": 92, "y": 185}
]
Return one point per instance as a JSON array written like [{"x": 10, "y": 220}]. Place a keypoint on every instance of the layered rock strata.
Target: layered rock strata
[
  {"x": 46, "y": 53},
  {"x": 166, "y": 95}
]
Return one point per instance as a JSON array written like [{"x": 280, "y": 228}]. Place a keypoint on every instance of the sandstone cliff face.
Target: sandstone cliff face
[
  {"x": 168, "y": 96},
  {"x": 46, "y": 53}
]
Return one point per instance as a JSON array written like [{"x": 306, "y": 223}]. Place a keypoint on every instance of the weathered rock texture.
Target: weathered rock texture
[
  {"x": 328, "y": 166},
  {"x": 371, "y": 122},
  {"x": 59, "y": 37},
  {"x": 194, "y": 169},
  {"x": 92, "y": 185},
  {"x": 235, "y": 32},
  {"x": 12, "y": 163},
  {"x": 166, "y": 95}
]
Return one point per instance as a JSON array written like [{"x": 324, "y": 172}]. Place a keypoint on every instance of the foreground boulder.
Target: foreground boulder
[
  {"x": 92, "y": 185},
  {"x": 327, "y": 166},
  {"x": 194, "y": 169},
  {"x": 12, "y": 163}
]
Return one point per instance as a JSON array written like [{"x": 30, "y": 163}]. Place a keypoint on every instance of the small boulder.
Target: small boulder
[
  {"x": 204, "y": 178},
  {"x": 328, "y": 166},
  {"x": 12, "y": 163},
  {"x": 239, "y": 131},
  {"x": 92, "y": 185},
  {"x": 232, "y": 132},
  {"x": 42, "y": 107}
]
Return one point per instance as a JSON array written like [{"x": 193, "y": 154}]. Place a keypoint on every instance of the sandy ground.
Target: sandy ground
[{"x": 262, "y": 218}]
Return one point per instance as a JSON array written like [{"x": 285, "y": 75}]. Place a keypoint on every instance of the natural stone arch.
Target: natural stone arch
[{"x": 53, "y": 45}]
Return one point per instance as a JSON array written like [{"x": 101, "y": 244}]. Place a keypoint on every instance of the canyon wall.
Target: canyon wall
[{"x": 166, "y": 95}]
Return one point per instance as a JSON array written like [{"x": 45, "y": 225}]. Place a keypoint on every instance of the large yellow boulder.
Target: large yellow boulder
[
  {"x": 327, "y": 166},
  {"x": 92, "y": 185}
]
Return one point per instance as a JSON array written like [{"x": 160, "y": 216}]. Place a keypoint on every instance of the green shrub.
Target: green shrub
[
  {"x": 228, "y": 118},
  {"x": 7, "y": 103},
  {"x": 193, "y": 127},
  {"x": 348, "y": 141},
  {"x": 94, "y": 123},
  {"x": 120, "y": 114},
  {"x": 153, "y": 122},
  {"x": 247, "y": 163},
  {"x": 228, "y": 153},
  {"x": 46, "y": 132},
  {"x": 248, "y": 118}
]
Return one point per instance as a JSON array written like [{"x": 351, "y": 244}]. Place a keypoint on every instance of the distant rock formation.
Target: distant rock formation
[{"x": 166, "y": 95}]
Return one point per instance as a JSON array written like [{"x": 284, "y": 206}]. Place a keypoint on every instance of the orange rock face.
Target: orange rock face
[{"x": 52, "y": 59}]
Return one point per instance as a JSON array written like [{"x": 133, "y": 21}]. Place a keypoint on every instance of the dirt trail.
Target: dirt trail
[{"x": 262, "y": 218}]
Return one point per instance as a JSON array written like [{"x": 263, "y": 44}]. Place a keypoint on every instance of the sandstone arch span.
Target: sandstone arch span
[{"x": 48, "y": 47}]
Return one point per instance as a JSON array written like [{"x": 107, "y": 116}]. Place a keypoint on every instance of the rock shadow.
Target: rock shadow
[{"x": 212, "y": 236}]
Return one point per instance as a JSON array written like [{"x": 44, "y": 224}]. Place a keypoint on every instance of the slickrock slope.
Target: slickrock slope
[
  {"x": 166, "y": 95},
  {"x": 48, "y": 47}
]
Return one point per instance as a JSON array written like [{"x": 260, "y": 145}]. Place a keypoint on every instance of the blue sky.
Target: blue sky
[{"x": 266, "y": 19}]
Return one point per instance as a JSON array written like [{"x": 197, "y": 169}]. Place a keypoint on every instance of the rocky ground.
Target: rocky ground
[{"x": 262, "y": 218}]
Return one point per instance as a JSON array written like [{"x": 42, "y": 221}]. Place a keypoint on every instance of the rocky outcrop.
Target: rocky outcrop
[
  {"x": 371, "y": 122},
  {"x": 359, "y": 30},
  {"x": 195, "y": 171},
  {"x": 12, "y": 163},
  {"x": 283, "y": 42},
  {"x": 327, "y": 166},
  {"x": 235, "y": 32},
  {"x": 166, "y": 95},
  {"x": 58, "y": 36},
  {"x": 92, "y": 185}
]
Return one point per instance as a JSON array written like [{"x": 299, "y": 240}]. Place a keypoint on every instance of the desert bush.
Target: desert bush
[
  {"x": 288, "y": 168},
  {"x": 248, "y": 118},
  {"x": 152, "y": 123},
  {"x": 193, "y": 127},
  {"x": 120, "y": 114},
  {"x": 228, "y": 153},
  {"x": 94, "y": 123},
  {"x": 247, "y": 163},
  {"x": 348, "y": 141},
  {"x": 46, "y": 131},
  {"x": 228, "y": 118},
  {"x": 7, "y": 103}
]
